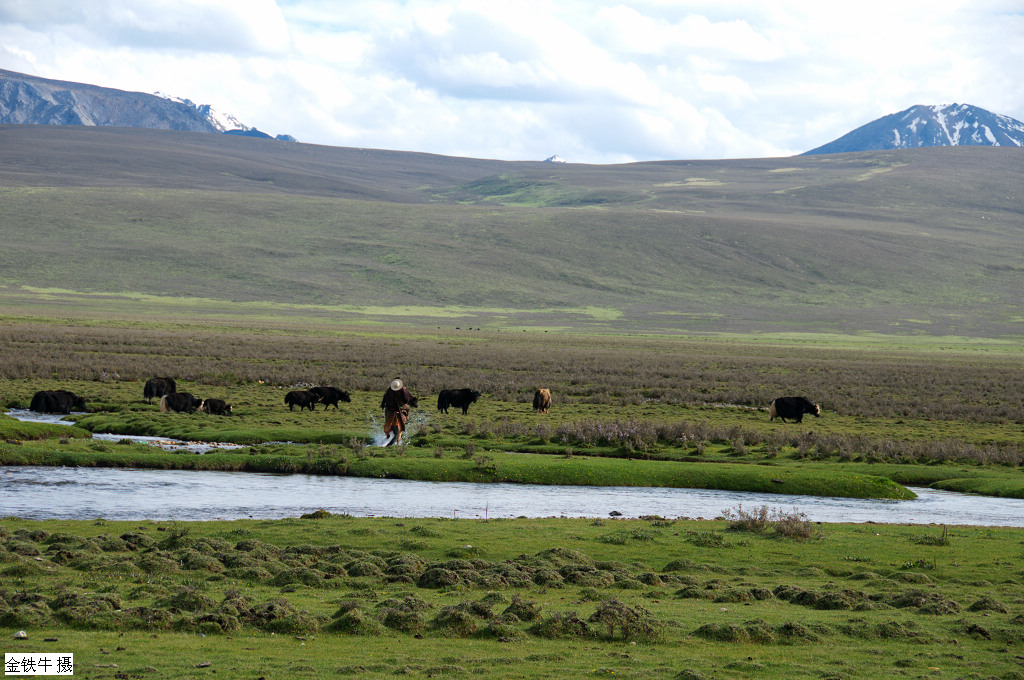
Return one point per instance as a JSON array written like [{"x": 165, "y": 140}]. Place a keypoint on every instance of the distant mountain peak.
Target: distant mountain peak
[
  {"x": 930, "y": 125},
  {"x": 31, "y": 100},
  {"x": 224, "y": 122},
  {"x": 554, "y": 159}
]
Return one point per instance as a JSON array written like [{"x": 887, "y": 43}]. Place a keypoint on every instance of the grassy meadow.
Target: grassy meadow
[
  {"x": 879, "y": 241},
  {"x": 760, "y": 593},
  {"x": 643, "y": 411}
]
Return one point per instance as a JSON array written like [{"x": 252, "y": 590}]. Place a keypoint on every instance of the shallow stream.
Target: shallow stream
[{"x": 130, "y": 494}]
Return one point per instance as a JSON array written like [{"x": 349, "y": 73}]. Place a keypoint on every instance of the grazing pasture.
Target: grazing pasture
[
  {"x": 760, "y": 593},
  {"x": 914, "y": 415}
]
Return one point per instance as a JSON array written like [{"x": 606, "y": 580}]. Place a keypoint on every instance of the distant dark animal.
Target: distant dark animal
[
  {"x": 330, "y": 396},
  {"x": 215, "y": 407},
  {"x": 792, "y": 407},
  {"x": 458, "y": 398},
  {"x": 56, "y": 401},
  {"x": 302, "y": 399},
  {"x": 542, "y": 400},
  {"x": 158, "y": 387},
  {"x": 180, "y": 402}
]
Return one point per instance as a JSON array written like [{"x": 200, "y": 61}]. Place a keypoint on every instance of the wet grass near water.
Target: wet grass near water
[{"x": 652, "y": 444}]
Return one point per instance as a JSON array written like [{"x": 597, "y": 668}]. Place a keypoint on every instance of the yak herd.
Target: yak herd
[{"x": 165, "y": 389}]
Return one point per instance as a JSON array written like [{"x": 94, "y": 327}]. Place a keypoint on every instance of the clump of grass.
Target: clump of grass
[
  {"x": 455, "y": 621},
  {"x": 624, "y": 536},
  {"x": 522, "y": 611},
  {"x": 562, "y": 625},
  {"x": 932, "y": 540},
  {"x": 988, "y": 604},
  {"x": 788, "y": 524},
  {"x": 626, "y": 622},
  {"x": 706, "y": 539}
]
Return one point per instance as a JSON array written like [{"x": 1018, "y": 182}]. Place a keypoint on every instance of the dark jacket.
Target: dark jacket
[{"x": 393, "y": 400}]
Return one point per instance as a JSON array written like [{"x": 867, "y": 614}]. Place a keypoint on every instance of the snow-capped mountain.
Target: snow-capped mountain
[
  {"x": 30, "y": 100},
  {"x": 943, "y": 125},
  {"x": 224, "y": 122}
]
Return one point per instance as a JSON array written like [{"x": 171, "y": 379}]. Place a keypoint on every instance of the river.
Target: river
[
  {"x": 130, "y": 494},
  {"x": 127, "y": 494}
]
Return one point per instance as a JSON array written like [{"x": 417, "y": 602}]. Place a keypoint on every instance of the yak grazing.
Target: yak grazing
[
  {"x": 542, "y": 400},
  {"x": 457, "y": 398},
  {"x": 56, "y": 401},
  {"x": 302, "y": 399},
  {"x": 158, "y": 387},
  {"x": 793, "y": 408},
  {"x": 180, "y": 402}
]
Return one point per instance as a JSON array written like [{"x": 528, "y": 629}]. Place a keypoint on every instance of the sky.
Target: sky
[{"x": 590, "y": 81}]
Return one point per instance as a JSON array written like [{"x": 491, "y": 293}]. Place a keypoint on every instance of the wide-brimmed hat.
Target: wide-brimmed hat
[{"x": 396, "y": 384}]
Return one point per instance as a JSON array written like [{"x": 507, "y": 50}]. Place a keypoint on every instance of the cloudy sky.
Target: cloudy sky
[{"x": 592, "y": 81}]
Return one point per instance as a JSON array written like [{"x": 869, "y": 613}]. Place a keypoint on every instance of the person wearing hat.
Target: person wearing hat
[{"x": 396, "y": 405}]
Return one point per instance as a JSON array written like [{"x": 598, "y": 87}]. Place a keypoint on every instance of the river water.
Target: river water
[{"x": 129, "y": 494}]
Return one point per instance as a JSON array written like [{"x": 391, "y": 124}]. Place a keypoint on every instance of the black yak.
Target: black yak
[
  {"x": 180, "y": 402},
  {"x": 458, "y": 398},
  {"x": 792, "y": 407},
  {"x": 56, "y": 401},
  {"x": 158, "y": 387},
  {"x": 302, "y": 399},
  {"x": 216, "y": 407},
  {"x": 330, "y": 395}
]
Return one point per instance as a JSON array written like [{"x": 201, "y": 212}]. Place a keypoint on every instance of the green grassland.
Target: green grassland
[
  {"x": 877, "y": 242},
  {"x": 684, "y": 412},
  {"x": 763, "y": 595}
]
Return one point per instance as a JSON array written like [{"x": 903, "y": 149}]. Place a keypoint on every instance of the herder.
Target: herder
[{"x": 396, "y": 405}]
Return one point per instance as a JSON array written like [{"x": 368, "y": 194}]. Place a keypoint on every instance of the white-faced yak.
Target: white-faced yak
[{"x": 793, "y": 408}]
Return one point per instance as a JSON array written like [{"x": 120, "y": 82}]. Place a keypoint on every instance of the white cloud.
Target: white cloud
[{"x": 593, "y": 81}]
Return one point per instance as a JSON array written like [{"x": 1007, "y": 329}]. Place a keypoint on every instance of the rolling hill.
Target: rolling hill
[{"x": 909, "y": 241}]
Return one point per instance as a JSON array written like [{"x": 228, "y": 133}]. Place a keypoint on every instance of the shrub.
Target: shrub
[
  {"x": 756, "y": 521},
  {"x": 793, "y": 524}
]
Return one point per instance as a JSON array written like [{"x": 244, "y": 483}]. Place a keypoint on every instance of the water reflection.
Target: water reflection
[{"x": 118, "y": 494}]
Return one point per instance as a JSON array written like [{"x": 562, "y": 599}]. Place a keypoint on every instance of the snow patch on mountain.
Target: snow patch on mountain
[
  {"x": 934, "y": 125},
  {"x": 223, "y": 122}
]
